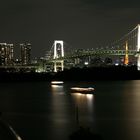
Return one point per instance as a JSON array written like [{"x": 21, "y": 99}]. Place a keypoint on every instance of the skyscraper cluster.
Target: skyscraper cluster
[{"x": 8, "y": 57}]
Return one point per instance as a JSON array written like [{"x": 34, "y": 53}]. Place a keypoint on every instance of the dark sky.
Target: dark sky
[{"x": 80, "y": 23}]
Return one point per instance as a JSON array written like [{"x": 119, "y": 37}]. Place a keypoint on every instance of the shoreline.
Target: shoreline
[{"x": 77, "y": 74}]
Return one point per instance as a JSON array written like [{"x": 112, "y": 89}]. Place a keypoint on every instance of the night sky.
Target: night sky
[{"x": 80, "y": 23}]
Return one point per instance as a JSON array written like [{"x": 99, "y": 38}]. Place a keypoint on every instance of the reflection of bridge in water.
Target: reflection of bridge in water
[{"x": 125, "y": 50}]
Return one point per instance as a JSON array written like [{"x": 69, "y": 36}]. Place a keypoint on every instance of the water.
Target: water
[{"x": 41, "y": 111}]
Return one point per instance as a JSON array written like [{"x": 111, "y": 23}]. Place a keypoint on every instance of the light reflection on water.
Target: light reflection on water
[
  {"x": 131, "y": 109},
  {"x": 83, "y": 99},
  {"x": 85, "y": 104},
  {"x": 61, "y": 116},
  {"x": 57, "y": 89},
  {"x": 42, "y": 110}
]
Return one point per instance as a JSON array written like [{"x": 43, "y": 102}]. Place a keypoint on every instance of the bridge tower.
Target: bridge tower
[
  {"x": 126, "y": 59},
  {"x": 138, "y": 47},
  {"x": 58, "y": 54}
]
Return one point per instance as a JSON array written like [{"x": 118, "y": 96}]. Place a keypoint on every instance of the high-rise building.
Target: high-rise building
[
  {"x": 6, "y": 54},
  {"x": 25, "y": 53}
]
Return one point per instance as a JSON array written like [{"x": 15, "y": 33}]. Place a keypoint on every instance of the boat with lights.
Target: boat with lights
[
  {"x": 57, "y": 82},
  {"x": 83, "y": 90}
]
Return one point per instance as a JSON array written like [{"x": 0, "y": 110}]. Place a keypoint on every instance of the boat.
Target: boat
[
  {"x": 57, "y": 82},
  {"x": 82, "y": 90}
]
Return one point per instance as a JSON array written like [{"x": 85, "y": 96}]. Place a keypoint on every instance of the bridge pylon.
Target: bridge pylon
[
  {"x": 58, "y": 54},
  {"x": 126, "y": 59},
  {"x": 138, "y": 48}
]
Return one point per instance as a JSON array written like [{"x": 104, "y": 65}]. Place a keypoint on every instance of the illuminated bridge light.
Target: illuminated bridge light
[{"x": 114, "y": 49}]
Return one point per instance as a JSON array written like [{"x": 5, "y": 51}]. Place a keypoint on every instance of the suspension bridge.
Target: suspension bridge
[{"x": 126, "y": 47}]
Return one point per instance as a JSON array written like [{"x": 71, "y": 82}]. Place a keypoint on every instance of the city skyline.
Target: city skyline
[
  {"x": 81, "y": 23},
  {"x": 10, "y": 57}
]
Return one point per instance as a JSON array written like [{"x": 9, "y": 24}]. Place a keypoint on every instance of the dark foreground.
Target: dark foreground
[
  {"x": 43, "y": 111},
  {"x": 77, "y": 74}
]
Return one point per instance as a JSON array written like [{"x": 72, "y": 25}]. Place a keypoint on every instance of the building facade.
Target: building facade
[
  {"x": 25, "y": 54},
  {"x": 6, "y": 54}
]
